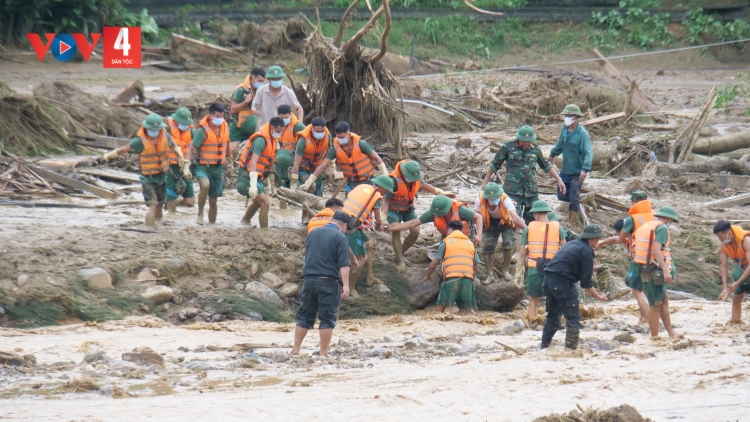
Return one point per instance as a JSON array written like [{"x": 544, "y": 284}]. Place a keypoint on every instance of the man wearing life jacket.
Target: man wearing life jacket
[
  {"x": 500, "y": 219},
  {"x": 521, "y": 157},
  {"x": 181, "y": 130},
  {"x": 152, "y": 145},
  {"x": 313, "y": 144},
  {"x": 255, "y": 160},
  {"x": 355, "y": 157},
  {"x": 243, "y": 117},
  {"x": 460, "y": 266},
  {"x": 287, "y": 144},
  {"x": 533, "y": 240},
  {"x": 651, "y": 251},
  {"x": 443, "y": 210},
  {"x": 364, "y": 201},
  {"x": 210, "y": 148},
  {"x": 639, "y": 213},
  {"x": 735, "y": 245},
  {"x": 399, "y": 205}
]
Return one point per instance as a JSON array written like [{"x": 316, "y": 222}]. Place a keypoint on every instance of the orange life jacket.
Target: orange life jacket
[
  {"x": 484, "y": 210},
  {"x": 315, "y": 150},
  {"x": 358, "y": 200},
  {"x": 288, "y": 141},
  {"x": 458, "y": 260},
  {"x": 357, "y": 167},
  {"x": 246, "y": 112},
  {"x": 321, "y": 219},
  {"x": 403, "y": 197},
  {"x": 737, "y": 253},
  {"x": 214, "y": 148},
  {"x": 641, "y": 212},
  {"x": 537, "y": 233},
  {"x": 441, "y": 223},
  {"x": 183, "y": 139},
  {"x": 646, "y": 234},
  {"x": 155, "y": 156},
  {"x": 266, "y": 157}
]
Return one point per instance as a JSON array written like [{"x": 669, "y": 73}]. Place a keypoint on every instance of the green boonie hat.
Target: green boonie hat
[
  {"x": 412, "y": 170},
  {"x": 441, "y": 205},
  {"x": 592, "y": 231},
  {"x": 539, "y": 206},
  {"x": 182, "y": 116},
  {"x": 275, "y": 72},
  {"x": 638, "y": 195},
  {"x": 667, "y": 212},
  {"x": 492, "y": 191},
  {"x": 153, "y": 121},
  {"x": 551, "y": 216},
  {"x": 572, "y": 109},
  {"x": 384, "y": 182},
  {"x": 526, "y": 134}
]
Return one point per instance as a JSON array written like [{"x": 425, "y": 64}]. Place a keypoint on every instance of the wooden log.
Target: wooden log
[
  {"x": 135, "y": 89},
  {"x": 723, "y": 143},
  {"x": 602, "y": 119},
  {"x": 67, "y": 181},
  {"x": 100, "y": 141},
  {"x": 659, "y": 128},
  {"x": 732, "y": 201},
  {"x": 709, "y": 166},
  {"x": 684, "y": 143},
  {"x": 109, "y": 173},
  {"x": 446, "y": 175},
  {"x": 198, "y": 46}
]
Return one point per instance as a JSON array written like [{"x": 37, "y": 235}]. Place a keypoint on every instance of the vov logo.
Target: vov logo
[{"x": 122, "y": 46}]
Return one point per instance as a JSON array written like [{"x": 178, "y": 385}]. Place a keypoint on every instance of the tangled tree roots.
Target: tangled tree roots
[{"x": 345, "y": 85}]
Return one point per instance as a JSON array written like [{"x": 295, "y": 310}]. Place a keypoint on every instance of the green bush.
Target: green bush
[{"x": 698, "y": 26}]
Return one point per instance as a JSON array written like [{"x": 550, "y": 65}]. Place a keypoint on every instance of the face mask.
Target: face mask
[
  {"x": 343, "y": 141},
  {"x": 217, "y": 120},
  {"x": 183, "y": 127},
  {"x": 668, "y": 224},
  {"x": 153, "y": 133},
  {"x": 569, "y": 120},
  {"x": 257, "y": 85},
  {"x": 276, "y": 135},
  {"x": 494, "y": 202},
  {"x": 276, "y": 84},
  {"x": 318, "y": 135},
  {"x": 727, "y": 240},
  {"x": 408, "y": 179},
  {"x": 287, "y": 120}
]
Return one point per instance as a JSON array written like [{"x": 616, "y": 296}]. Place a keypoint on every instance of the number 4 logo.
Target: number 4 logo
[{"x": 122, "y": 47}]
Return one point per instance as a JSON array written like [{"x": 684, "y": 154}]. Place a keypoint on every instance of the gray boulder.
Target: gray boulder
[
  {"x": 96, "y": 278},
  {"x": 263, "y": 293}
]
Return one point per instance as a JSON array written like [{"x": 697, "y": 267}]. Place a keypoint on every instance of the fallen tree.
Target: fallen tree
[
  {"x": 710, "y": 165},
  {"x": 721, "y": 144}
]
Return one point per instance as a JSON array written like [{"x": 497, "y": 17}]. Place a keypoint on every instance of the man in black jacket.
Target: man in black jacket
[{"x": 573, "y": 262}]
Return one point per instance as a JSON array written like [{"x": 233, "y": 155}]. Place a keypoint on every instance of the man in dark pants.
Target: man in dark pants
[
  {"x": 573, "y": 262},
  {"x": 326, "y": 273}
]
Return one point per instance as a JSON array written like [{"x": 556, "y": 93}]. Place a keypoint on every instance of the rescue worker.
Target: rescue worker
[
  {"x": 735, "y": 245},
  {"x": 152, "y": 144},
  {"x": 369, "y": 199},
  {"x": 572, "y": 263},
  {"x": 240, "y": 106},
  {"x": 540, "y": 242},
  {"x": 399, "y": 205},
  {"x": 639, "y": 213},
  {"x": 269, "y": 97},
  {"x": 500, "y": 219},
  {"x": 210, "y": 148},
  {"x": 574, "y": 144},
  {"x": 460, "y": 266},
  {"x": 522, "y": 156},
  {"x": 313, "y": 144},
  {"x": 651, "y": 251},
  {"x": 355, "y": 157},
  {"x": 181, "y": 130},
  {"x": 287, "y": 144},
  {"x": 443, "y": 210},
  {"x": 256, "y": 163}
]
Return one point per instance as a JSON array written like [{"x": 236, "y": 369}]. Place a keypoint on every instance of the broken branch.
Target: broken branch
[
  {"x": 383, "y": 38},
  {"x": 340, "y": 32},
  {"x": 476, "y": 9}
]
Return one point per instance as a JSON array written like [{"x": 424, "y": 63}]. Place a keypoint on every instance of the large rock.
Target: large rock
[
  {"x": 177, "y": 267},
  {"x": 96, "y": 355},
  {"x": 288, "y": 289},
  {"x": 96, "y": 278},
  {"x": 502, "y": 296},
  {"x": 11, "y": 359},
  {"x": 143, "y": 358},
  {"x": 158, "y": 294},
  {"x": 263, "y": 293},
  {"x": 271, "y": 280},
  {"x": 419, "y": 295}
]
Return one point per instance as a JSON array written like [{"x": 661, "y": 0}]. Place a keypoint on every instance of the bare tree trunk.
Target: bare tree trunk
[{"x": 721, "y": 144}]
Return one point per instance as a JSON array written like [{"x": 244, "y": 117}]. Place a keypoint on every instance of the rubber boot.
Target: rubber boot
[
  {"x": 202, "y": 196},
  {"x": 571, "y": 338},
  {"x": 398, "y": 250},
  {"x": 489, "y": 265},
  {"x": 250, "y": 213},
  {"x": 505, "y": 269},
  {"x": 282, "y": 204},
  {"x": 212, "y": 209},
  {"x": 150, "y": 219},
  {"x": 263, "y": 218},
  {"x": 616, "y": 291},
  {"x": 353, "y": 277},
  {"x": 575, "y": 220},
  {"x": 371, "y": 280}
]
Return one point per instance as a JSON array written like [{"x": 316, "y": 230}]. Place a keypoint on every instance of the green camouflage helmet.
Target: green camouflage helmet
[
  {"x": 667, "y": 212},
  {"x": 638, "y": 195},
  {"x": 411, "y": 171},
  {"x": 153, "y": 121},
  {"x": 384, "y": 182},
  {"x": 492, "y": 191},
  {"x": 571, "y": 109},
  {"x": 526, "y": 134},
  {"x": 441, "y": 205},
  {"x": 182, "y": 116}
]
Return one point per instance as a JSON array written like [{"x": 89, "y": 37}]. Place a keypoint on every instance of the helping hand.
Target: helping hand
[
  {"x": 110, "y": 156},
  {"x": 724, "y": 294},
  {"x": 668, "y": 278},
  {"x": 583, "y": 176},
  {"x": 345, "y": 292},
  {"x": 478, "y": 239},
  {"x": 604, "y": 297},
  {"x": 561, "y": 186},
  {"x": 252, "y": 190}
]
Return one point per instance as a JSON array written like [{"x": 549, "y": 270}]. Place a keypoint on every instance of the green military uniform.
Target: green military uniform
[
  {"x": 534, "y": 279},
  {"x": 367, "y": 149},
  {"x": 213, "y": 172},
  {"x": 463, "y": 212},
  {"x": 303, "y": 173},
  {"x": 237, "y": 134},
  {"x": 633, "y": 277},
  {"x": 154, "y": 187},
  {"x": 285, "y": 158},
  {"x": 243, "y": 176},
  {"x": 458, "y": 290},
  {"x": 182, "y": 117},
  {"x": 656, "y": 289},
  {"x": 358, "y": 238}
]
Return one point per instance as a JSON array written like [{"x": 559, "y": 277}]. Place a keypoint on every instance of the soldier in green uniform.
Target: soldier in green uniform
[
  {"x": 243, "y": 118},
  {"x": 522, "y": 156}
]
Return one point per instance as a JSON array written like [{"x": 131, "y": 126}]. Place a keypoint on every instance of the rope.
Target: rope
[{"x": 648, "y": 53}]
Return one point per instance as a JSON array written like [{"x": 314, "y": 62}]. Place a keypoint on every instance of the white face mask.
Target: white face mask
[
  {"x": 153, "y": 133},
  {"x": 257, "y": 85},
  {"x": 318, "y": 135},
  {"x": 668, "y": 224},
  {"x": 217, "y": 121},
  {"x": 569, "y": 120},
  {"x": 276, "y": 135},
  {"x": 276, "y": 83},
  {"x": 287, "y": 120},
  {"x": 727, "y": 240},
  {"x": 343, "y": 141},
  {"x": 183, "y": 127}
]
